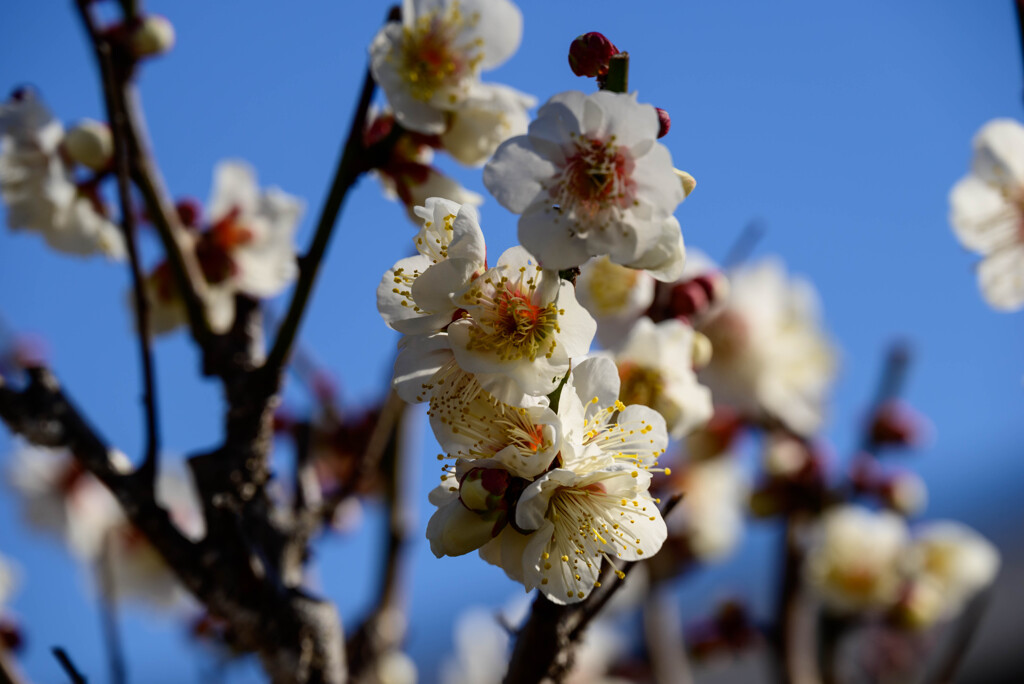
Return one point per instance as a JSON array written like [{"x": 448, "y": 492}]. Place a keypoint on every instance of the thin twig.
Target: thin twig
[
  {"x": 122, "y": 144},
  {"x": 69, "y": 667},
  {"x": 108, "y": 615},
  {"x": 350, "y": 167},
  {"x": 8, "y": 672},
  {"x": 890, "y": 386},
  {"x": 794, "y": 622},
  {"x": 744, "y": 245}
]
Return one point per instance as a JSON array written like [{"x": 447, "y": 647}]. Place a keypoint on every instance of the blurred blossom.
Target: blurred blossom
[
  {"x": 589, "y": 178},
  {"x": 854, "y": 560},
  {"x": 8, "y": 581},
  {"x": 616, "y": 296},
  {"x": 392, "y": 667},
  {"x": 987, "y": 212},
  {"x": 38, "y": 186},
  {"x": 770, "y": 356},
  {"x": 655, "y": 365},
  {"x": 247, "y": 249},
  {"x": 710, "y": 518},
  {"x": 953, "y": 563},
  {"x": 429, "y": 63}
]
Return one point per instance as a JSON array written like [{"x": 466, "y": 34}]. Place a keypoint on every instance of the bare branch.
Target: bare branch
[{"x": 69, "y": 667}]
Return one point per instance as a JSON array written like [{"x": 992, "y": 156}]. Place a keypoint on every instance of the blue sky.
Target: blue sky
[{"x": 840, "y": 126}]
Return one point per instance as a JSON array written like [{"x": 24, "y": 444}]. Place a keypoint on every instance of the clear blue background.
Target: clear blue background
[{"x": 841, "y": 126}]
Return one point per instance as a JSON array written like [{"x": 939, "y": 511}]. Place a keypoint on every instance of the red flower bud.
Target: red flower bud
[
  {"x": 189, "y": 212},
  {"x": 896, "y": 423},
  {"x": 589, "y": 54},
  {"x": 664, "y": 122}
]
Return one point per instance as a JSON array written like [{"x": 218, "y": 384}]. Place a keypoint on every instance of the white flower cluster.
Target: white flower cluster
[
  {"x": 61, "y": 498},
  {"x": 863, "y": 560},
  {"x": 37, "y": 178},
  {"x": 551, "y": 470}
]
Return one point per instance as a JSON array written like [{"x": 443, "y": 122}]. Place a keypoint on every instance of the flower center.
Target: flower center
[
  {"x": 596, "y": 177},
  {"x": 216, "y": 245},
  {"x": 611, "y": 285},
  {"x": 639, "y": 384},
  {"x": 512, "y": 326},
  {"x": 431, "y": 58}
]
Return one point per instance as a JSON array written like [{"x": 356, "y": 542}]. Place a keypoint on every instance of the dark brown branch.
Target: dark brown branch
[
  {"x": 108, "y": 616},
  {"x": 69, "y": 667},
  {"x": 122, "y": 167},
  {"x": 8, "y": 672},
  {"x": 964, "y": 632},
  {"x": 350, "y": 167},
  {"x": 794, "y": 621}
]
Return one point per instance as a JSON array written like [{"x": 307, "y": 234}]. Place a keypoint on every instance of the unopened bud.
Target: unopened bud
[
  {"x": 895, "y": 423},
  {"x": 785, "y": 457},
  {"x": 483, "y": 489},
  {"x": 688, "y": 181},
  {"x": 189, "y": 212},
  {"x": 702, "y": 350},
  {"x": 90, "y": 143},
  {"x": 11, "y": 636},
  {"x": 906, "y": 493},
  {"x": 589, "y": 54},
  {"x": 664, "y": 124},
  {"x": 154, "y": 36}
]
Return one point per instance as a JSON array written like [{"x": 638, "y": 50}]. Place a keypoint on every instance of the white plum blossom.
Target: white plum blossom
[
  {"x": 855, "y": 560},
  {"x": 770, "y": 355},
  {"x": 248, "y": 249},
  {"x": 954, "y": 560},
  {"x": 521, "y": 327},
  {"x": 518, "y": 328},
  {"x": 38, "y": 187},
  {"x": 589, "y": 178},
  {"x": 987, "y": 212},
  {"x": 655, "y": 367},
  {"x": 595, "y": 505},
  {"x": 711, "y": 515},
  {"x": 415, "y": 295},
  {"x": 429, "y": 63},
  {"x": 616, "y": 296},
  {"x": 491, "y": 114}
]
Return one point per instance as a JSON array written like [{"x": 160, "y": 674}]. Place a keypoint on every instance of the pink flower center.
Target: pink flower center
[{"x": 596, "y": 177}]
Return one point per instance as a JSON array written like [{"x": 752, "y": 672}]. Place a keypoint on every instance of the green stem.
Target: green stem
[{"x": 617, "y": 80}]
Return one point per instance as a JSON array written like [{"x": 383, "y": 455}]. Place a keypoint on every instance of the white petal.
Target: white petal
[
  {"x": 419, "y": 358},
  {"x": 1001, "y": 277},
  {"x": 982, "y": 218},
  {"x": 234, "y": 187},
  {"x": 516, "y": 173}
]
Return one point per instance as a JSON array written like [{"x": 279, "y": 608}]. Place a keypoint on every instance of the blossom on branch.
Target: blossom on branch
[
  {"x": 589, "y": 178},
  {"x": 429, "y": 63},
  {"x": 38, "y": 187},
  {"x": 247, "y": 248},
  {"x": 987, "y": 212}
]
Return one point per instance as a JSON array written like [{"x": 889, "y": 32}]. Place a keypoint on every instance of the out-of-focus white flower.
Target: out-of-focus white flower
[
  {"x": 38, "y": 186},
  {"x": 855, "y": 560},
  {"x": 987, "y": 212},
  {"x": 137, "y": 569},
  {"x": 956, "y": 558},
  {"x": 616, "y": 296},
  {"x": 429, "y": 64},
  {"x": 589, "y": 179},
  {"x": 770, "y": 354},
  {"x": 656, "y": 369},
  {"x": 711, "y": 515},
  {"x": 491, "y": 114},
  {"x": 393, "y": 667},
  {"x": 59, "y": 497},
  {"x": 415, "y": 295},
  {"x": 8, "y": 581},
  {"x": 247, "y": 249},
  {"x": 482, "y": 645}
]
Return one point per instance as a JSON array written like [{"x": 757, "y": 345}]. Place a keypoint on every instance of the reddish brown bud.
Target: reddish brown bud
[
  {"x": 895, "y": 423},
  {"x": 664, "y": 122},
  {"x": 189, "y": 212},
  {"x": 589, "y": 54},
  {"x": 12, "y": 638}
]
